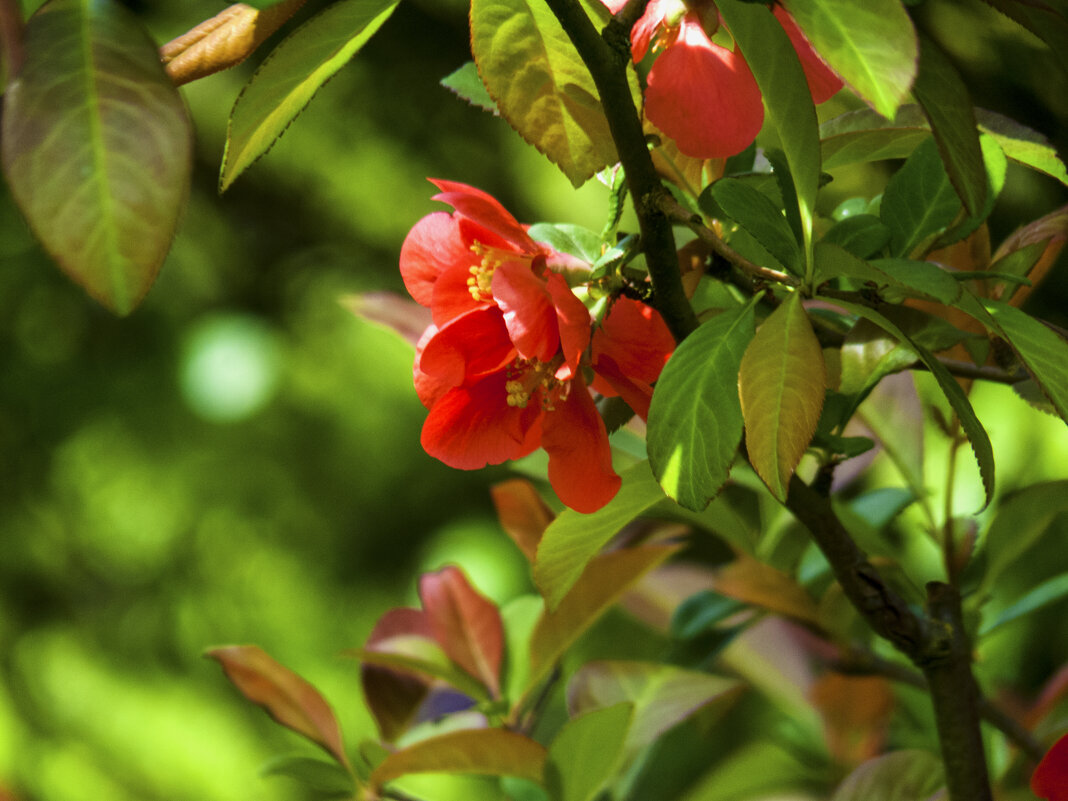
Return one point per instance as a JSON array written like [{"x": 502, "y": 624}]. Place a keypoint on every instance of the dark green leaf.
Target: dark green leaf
[
  {"x": 894, "y": 278},
  {"x": 863, "y": 235},
  {"x": 760, "y": 218},
  {"x": 466, "y": 83},
  {"x": 996, "y": 167},
  {"x": 1018, "y": 523},
  {"x": 941, "y": 92},
  {"x": 701, "y": 612},
  {"x": 919, "y": 201},
  {"x": 1044, "y": 20},
  {"x": 1048, "y": 592},
  {"x": 778, "y": 72},
  {"x": 96, "y": 147},
  {"x": 974, "y": 430},
  {"x": 695, "y": 418}
]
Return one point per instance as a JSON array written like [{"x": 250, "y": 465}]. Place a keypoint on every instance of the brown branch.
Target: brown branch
[
  {"x": 607, "y": 60},
  {"x": 858, "y": 662},
  {"x": 11, "y": 48}
]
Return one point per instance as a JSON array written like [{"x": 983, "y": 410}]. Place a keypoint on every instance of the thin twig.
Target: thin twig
[{"x": 11, "y": 27}]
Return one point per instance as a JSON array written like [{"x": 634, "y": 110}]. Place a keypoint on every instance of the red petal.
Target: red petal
[
  {"x": 429, "y": 387},
  {"x": 580, "y": 458},
  {"x": 704, "y": 96},
  {"x": 638, "y": 395},
  {"x": 472, "y": 426},
  {"x": 528, "y": 310},
  {"x": 470, "y": 346},
  {"x": 1050, "y": 779},
  {"x": 636, "y": 338},
  {"x": 486, "y": 210},
  {"x": 433, "y": 244},
  {"x": 573, "y": 321},
  {"x": 452, "y": 296},
  {"x": 641, "y": 35},
  {"x": 823, "y": 83}
]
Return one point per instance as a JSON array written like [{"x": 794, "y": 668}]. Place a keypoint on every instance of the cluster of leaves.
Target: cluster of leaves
[{"x": 791, "y": 322}]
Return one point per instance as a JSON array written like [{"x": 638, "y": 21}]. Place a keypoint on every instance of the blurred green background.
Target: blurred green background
[{"x": 238, "y": 461}]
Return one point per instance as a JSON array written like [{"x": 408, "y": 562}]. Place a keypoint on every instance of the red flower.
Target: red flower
[
  {"x": 501, "y": 368},
  {"x": 702, "y": 94},
  {"x": 1050, "y": 779}
]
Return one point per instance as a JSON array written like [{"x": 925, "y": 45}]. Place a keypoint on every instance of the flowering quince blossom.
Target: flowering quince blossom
[
  {"x": 1050, "y": 779},
  {"x": 502, "y": 367},
  {"x": 701, "y": 94}
]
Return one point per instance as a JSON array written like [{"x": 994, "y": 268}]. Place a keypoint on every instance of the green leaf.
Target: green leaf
[
  {"x": 1043, "y": 352},
  {"x": 752, "y": 210},
  {"x": 996, "y": 166},
  {"x": 695, "y": 418},
  {"x": 605, "y": 579},
  {"x": 290, "y": 76},
  {"x": 489, "y": 752},
  {"x": 863, "y": 135},
  {"x": 586, "y": 753},
  {"x": 872, "y": 45},
  {"x": 778, "y": 73},
  {"x": 519, "y": 616},
  {"x": 1048, "y": 592},
  {"x": 541, "y": 85},
  {"x": 97, "y": 148},
  {"x": 1044, "y": 20},
  {"x": 908, "y": 775},
  {"x": 919, "y": 201},
  {"x": 974, "y": 430},
  {"x": 941, "y": 92},
  {"x": 781, "y": 383},
  {"x": 573, "y": 539},
  {"x": 582, "y": 243},
  {"x": 894, "y": 278},
  {"x": 318, "y": 777},
  {"x": 863, "y": 235},
  {"x": 466, "y": 83},
  {"x": 1018, "y": 523}
]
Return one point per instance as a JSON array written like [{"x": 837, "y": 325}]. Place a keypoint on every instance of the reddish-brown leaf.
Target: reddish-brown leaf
[
  {"x": 523, "y": 514},
  {"x": 394, "y": 697},
  {"x": 466, "y": 624},
  {"x": 856, "y": 714},
  {"x": 753, "y": 582},
  {"x": 223, "y": 41},
  {"x": 287, "y": 697}
]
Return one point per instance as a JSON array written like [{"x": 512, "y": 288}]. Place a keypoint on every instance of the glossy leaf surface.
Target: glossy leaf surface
[
  {"x": 781, "y": 385},
  {"x": 695, "y": 419},
  {"x": 290, "y": 76},
  {"x": 96, "y": 148}
]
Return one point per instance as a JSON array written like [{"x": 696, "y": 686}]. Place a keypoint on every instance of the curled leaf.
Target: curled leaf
[{"x": 223, "y": 41}]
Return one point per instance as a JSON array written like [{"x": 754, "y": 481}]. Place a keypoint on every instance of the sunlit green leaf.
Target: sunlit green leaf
[
  {"x": 540, "y": 84},
  {"x": 290, "y": 76},
  {"x": 872, "y": 45},
  {"x": 919, "y": 201},
  {"x": 568, "y": 238},
  {"x": 974, "y": 430},
  {"x": 941, "y": 92},
  {"x": 586, "y": 752},
  {"x": 96, "y": 148},
  {"x": 466, "y": 83},
  {"x": 605, "y": 579},
  {"x": 491, "y": 752},
  {"x": 777, "y": 70},
  {"x": 781, "y": 385},
  {"x": 572, "y": 539},
  {"x": 759, "y": 216},
  {"x": 695, "y": 419},
  {"x": 909, "y": 775}
]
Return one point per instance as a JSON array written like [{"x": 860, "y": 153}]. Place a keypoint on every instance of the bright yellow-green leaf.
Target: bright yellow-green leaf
[
  {"x": 586, "y": 752},
  {"x": 781, "y": 385},
  {"x": 540, "y": 84},
  {"x": 291, "y": 75},
  {"x": 96, "y": 147}
]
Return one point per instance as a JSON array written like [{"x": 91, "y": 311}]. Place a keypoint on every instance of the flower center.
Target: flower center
[
  {"x": 531, "y": 378},
  {"x": 480, "y": 283}
]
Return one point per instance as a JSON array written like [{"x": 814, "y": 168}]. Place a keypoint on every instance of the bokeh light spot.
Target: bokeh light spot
[{"x": 230, "y": 367}]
